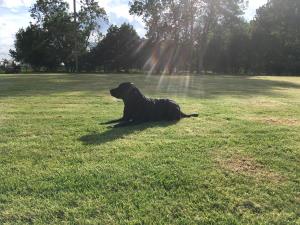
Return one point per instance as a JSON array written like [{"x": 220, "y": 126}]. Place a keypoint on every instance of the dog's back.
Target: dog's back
[{"x": 161, "y": 109}]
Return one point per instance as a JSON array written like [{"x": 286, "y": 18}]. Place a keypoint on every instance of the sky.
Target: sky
[{"x": 14, "y": 15}]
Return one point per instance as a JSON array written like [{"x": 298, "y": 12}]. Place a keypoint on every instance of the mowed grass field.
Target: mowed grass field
[{"x": 237, "y": 163}]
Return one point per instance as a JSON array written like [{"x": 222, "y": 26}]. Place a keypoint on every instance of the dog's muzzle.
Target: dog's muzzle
[
  {"x": 111, "y": 92},
  {"x": 114, "y": 93}
]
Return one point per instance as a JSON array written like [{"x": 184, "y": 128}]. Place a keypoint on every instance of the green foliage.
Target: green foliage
[
  {"x": 45, "y": 11},
  {"x": 53, "y": 34},
  {"x": 228, "y": 49},
  {"x": 187, "y": 23},
  {"x": 33, "y": 46},
  {"x": 276, "y": 37},
  {"x": 212, "y": 36},
  {"x": 116, "y": 51},
  {"x": 237, "y": 163},
  {"x": 88, "y": 19}
]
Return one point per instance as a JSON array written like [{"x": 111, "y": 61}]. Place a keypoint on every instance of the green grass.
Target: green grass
[{"x": 237, "y": 163}]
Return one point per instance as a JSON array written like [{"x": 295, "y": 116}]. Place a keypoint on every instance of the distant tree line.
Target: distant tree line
[{"x": 183, "y": 36}]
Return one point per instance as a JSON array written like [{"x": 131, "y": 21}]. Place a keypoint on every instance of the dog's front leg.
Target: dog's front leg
[
  {"x": 126, "y": 123},
  {"x": 113, "y": 121}
]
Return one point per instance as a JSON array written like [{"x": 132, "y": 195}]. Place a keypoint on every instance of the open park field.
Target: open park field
[{"x": 237, "y": 163}]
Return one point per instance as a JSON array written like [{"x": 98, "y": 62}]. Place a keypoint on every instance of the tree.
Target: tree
[
  {"x": 90, "y": 18},
  {"x": 54, "y": 31},
  {"x": 275, "y": 37},
  {"x": 116, "y": 51},
  {"x": 53, "y": 18},
  {"x": 228, "y": 48},
  {"x": 3, "y": 64},
  {"x": 186, "y": 22},
  {"x": 32, "y": 46}
]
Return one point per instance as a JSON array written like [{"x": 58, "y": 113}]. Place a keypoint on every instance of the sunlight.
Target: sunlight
[
  {"x": 160, "y": 82},
  {"x": 187, "y": 84},
  {"x": 140, "y": 47}
]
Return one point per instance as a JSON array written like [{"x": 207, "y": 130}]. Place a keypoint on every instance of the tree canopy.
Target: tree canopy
[
  {"x": 276, "y": 37},
  {"x": 192, "y": 36},
  {"x": 188, "y": 23},
  {"x": 116, "y": 51},
  {"x": 50, "y": 41}
]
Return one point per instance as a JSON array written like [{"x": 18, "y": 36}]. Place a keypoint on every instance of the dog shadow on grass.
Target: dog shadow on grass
[{"x": 112, "y": 134}]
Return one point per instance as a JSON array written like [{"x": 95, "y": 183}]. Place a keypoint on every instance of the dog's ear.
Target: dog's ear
[
  {"x": 133, "y": 93},
  {"x": 131, "y": 90}
]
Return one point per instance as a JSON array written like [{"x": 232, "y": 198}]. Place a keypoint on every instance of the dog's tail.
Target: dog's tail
[{"x": 183, "y": 115}]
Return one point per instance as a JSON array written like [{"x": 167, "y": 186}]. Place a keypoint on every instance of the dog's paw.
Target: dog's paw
[{"x": 104, "y": 123}]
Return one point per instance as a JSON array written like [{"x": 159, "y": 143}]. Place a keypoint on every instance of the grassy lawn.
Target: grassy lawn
[{"x": 237, "y": 163}]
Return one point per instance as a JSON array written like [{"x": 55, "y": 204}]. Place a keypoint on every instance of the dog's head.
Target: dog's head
[{"x": 124, "y": 91}]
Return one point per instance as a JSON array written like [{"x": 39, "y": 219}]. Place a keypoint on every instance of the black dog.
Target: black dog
[{"x": 139, "y": 109}]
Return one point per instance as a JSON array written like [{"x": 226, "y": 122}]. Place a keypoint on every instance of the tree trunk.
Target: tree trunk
[
  {"x": 200, "y": 62},
  {"x": 203, "y": 42}
]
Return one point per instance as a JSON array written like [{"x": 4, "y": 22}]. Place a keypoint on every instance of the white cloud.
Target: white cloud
[
  {"x": 16, "y": 3},
  {"x": 253, "y": 5},
  {"x": 13, "y": 16},
  {"x": 9, "y": 25},
  {"x": 120, "y": 9}
]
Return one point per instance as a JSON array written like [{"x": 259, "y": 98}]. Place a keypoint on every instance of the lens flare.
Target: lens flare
[
  {"x": 187, "y": 84},
  {"x": 164, "y": 58},
  {"x": 160, "y": 81}
]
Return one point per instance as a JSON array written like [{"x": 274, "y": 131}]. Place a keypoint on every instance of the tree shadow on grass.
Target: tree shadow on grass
[
  {"x": 112, "y": 134},
  {"x": 187, "y": 86}
]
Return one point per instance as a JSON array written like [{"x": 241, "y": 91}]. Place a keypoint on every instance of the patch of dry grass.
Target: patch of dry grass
[
  {"x": 248, "y": 166},
  {"x": 276, "y": 121}
]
